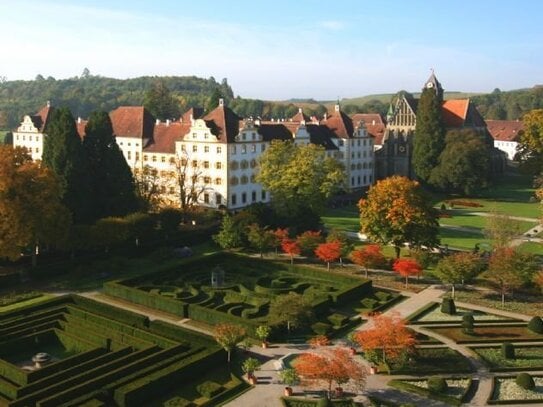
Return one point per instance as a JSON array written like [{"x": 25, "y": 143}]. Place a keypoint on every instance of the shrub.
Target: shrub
[
  {"x": 338, "y": 319},
  {"x": 536, "y": 325},
  {"x": 209, "y": 389},
  {"x": 250, "y": 365},
  {"x": 178, "y": 402},
  {"x": 437, "y": 384},
  {"x": 525, "y": 380},
  {"x": 321, "y": 328},
  {"x": 508, "y": 350},
  {"x": 289, "y": 376},
  {"x": 448, "y": 306},
  {"x": 468, "y": 323}
]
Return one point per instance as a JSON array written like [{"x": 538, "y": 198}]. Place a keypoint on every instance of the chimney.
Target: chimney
[
  {"x": 79, "y": 120},
  {"x": 221, "y": 102},
  {"x": 167, "y": 122},
  {"x": 373, "y": 122},
  {"x": 157, "y": 122},
  {"x": 300, "y": 110},
  {"x": 336, "y": 107},
  {"x": 325, "y": 116},
  {"x": 48, "y": 103}
]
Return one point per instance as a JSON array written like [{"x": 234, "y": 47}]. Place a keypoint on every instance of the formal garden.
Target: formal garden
[{"x": 71, "y": 350}]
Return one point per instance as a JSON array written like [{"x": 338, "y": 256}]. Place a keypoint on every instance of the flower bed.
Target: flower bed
[
  {"x": 489, "y": 334},
  {"x": 506, "y": 391},
  {"x": 434, "y": 360},
  {"x": 455, "y": 394},
  {"x": 526, "y": 357},
  {"x": 434, "y": 314}
]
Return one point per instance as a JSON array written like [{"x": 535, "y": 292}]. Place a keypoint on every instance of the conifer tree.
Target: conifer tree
[
  {"x": 111, "y": 182},
  {"x": 63, "y": 154},
  {"x": 161, "y": 103},
  {"x": 429, "y": 140}
]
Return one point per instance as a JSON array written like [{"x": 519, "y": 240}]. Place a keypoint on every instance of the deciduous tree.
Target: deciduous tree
[
  {"x": 389, "y": 335},
  {"x": 531, "y": 142},
  {"x": 397, "y": 211},
  {"x": 407, "y": 268},
  {"x": 500, "y": 229},
  {"x": 368, "y": 257},
  {"x": 290, "y": 309},
  {"x": 538, "y": 280},
  {"x": 336, "y": 235},
  {"x": 331, "y": 366},
  {"x": 229, "y": 235},
  {"x": 328, "y": 252},
  {"x": 228, "y": 336},
  {"x": 458, "y": 268},
  {"x": 260, "y": 238},
  {"x": 291, "y": 248},
  {"x": 308, "y": 241},
  {"x": 31, "y": 212}
]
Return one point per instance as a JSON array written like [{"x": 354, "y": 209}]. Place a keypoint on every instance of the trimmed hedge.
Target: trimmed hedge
[
  {"x": 525, "y": 380},
  {"x": 406, "y": 386},
  {"x": 209, "y": 389},
  {"x": 118, "y": 314},
  {"x": 508, "y": 350},
  {"x": 536, "y": 325},
  {"x": 33, "y": 308},
  {"x": 448, "y": 306}
]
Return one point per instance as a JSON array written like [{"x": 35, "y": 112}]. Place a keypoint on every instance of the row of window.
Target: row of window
[
  {"x": 243, "y": 148},
  {"x": 244, "y": 179},
  {"x": 184, "y": 148},
  {"x": 361, "y": 166},
  {"x": 243, "y": 164},
  {"x": 129, "y": 144},
  {"x": 29, "y": 138},
  {"x": 358, "y": 180},
  {"x": 341, "y": 142},
  {"x": 234, "y": 197}
]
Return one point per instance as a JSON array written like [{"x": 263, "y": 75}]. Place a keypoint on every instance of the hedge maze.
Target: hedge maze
[
  {"x": 101, "y": 355},
  {"x": 244, "y": 297}
]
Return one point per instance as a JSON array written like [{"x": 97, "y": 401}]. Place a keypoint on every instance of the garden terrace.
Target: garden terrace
[
  {"x": 486, "y": 333},
  {"x": 249, "y": 286},
  {"x": 433, "y": 360},
  {"x": 506, "y": 391},
  {"x": 527, "y": 357},
  {"x": 432, "y": 315},
  {"x": 457, "y": 389},
  {"x": 100, "y": 355}
]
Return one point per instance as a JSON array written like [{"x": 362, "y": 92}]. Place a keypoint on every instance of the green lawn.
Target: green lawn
[
  {"x": 526, "y": 357},
  {"x": 434, "y": 360},
  {"x": 465, "y": 219},
  {"x": 527, "y": 306},
  {"x": 531, "y": 247},
  {"x": 346, "y": 218},
  {"x": 485, "y": 333},
  {"x": 462, "y": 239}
]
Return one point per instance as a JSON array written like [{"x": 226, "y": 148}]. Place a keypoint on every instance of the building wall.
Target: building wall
[
  {"x": 29, "y": 137},
  {"x": 508, "y": 147}
]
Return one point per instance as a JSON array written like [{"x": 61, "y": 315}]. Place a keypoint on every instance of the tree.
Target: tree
[
  {"x": 464, "y": 163},
  {"x": 458, "y": 268},
  {"x": 500, "y": 229},
  {"x": 407, "y": 268},
  {"x": 531, "y": 142},
  {"x": 280, "y": 235},
  {"x": 308, "y": 241},
  {"x": 160, "y": 102},
  {"x": 189, "y": 181},
  {"x": 140, "y": 226},
  {"x": 63, "y": 154},
  {"x": 108, "y": 232},
  {"x": 290, "y": 309},
  {"x": 228, "y": 336},
  {"x": 429, "y": 139},
  {"x": 260, "y": 238},
  {"x": 397, "y": 211},
  {"x": 503, "y": 271},
  {"x": 538, "y": 280},
  {"x": 336, "y": 235},
  {"x": 368, "y": 257},
  {"x": 229, "y": 235},
  {"x": 213, "y": 100},
  {"x": 389, "y": 335},
  {"x": 262, "y": 332},
  {"x": 31, "y": 212},
  {"x": 329, "y": 367},
  {"x": 250, "y": 365},
  {"x": 111, "y": 182},
  {"x": 291, "y": 248},
  {"x": 148, "y": 185},
  {"x": 299, "y": 176},
  {"x": 328, "y": 252}
]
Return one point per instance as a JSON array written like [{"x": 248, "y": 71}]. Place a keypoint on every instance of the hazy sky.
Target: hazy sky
[{"x": 281, "y": 49}]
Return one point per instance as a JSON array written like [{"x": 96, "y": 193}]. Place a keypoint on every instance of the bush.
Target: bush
[
  {"x": 468, "y": 323},
  {"x": 448, "y": 306},
  {"x": 525, "y": 380},
  {"x": 437, "y": 384},
  {"x": 536, "y": 325},
  {"x": 209, "y": 389},
  {"x": 508, "y": 350},
  {"x": 178, "y": 402},
  {"x": 321, "y": 328}
]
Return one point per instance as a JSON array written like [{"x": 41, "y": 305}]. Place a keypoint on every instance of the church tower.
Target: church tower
[{"x": 433, "y": 83}]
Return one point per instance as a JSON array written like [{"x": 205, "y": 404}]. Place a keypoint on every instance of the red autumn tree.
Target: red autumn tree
[
  {"x": 308, "y": 241},
  {"x": 318, "y": 341},
  {"x": 538, "y": 280},
  {"x": 328, "y": 252},
  {"x": 407, "y": 268},
  {"x": 228, "y": 336},
  {"x": 291, "y": 248},
  {"x": 280, "y": 235},
  {"x": 388, "y": 335},
  {"x": 370, "y": 256},
  {"x": 330, "y": 366}
]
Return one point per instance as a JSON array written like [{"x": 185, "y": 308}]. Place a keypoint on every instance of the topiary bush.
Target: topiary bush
[
  {"x": 508, "y": 350},
  {"x": 437, "y": 384},
  {"x": 468, "y": 322},
  {"x": 525, "y": 380},
  {"x": 209, "y": 389},
  {"x": 536, "y": 325},
  {"x": 448, "y": 306}
]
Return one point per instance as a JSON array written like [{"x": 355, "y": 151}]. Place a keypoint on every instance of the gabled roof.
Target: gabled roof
[
  {"x": 321, "y": 135},
  {"x": 340, "y": 124},
  {"x": 274, "y": 131},
  {"x": 504, "y": 130},
  {"x": 454, "y": 112},
  {"x": 300, "y": 116},
  {"x": 132, "y": 121},
  {"x": 40, "y": 119},
  {"x": 194, "y": 113},
  {"x": 374, "y": 125},
  {"x": 165, "y": 135},
  {"x": 224, "y": 123}
]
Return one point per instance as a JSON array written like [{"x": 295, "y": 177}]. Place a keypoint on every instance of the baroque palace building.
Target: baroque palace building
[{"x": 219, "y": 151}]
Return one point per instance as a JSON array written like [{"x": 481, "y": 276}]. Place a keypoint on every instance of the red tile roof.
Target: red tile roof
[
  {"x": 454, "y": 112},
  {"x": 224, "y": 123},
  {"x": 340, "y": 124},
  {"x": 504, "y": 130},
  {"x": 165, "y": 135},
  {"x": 194, "y": 113},
  {"x": 374, "y": 125},
  {"x": 300, "y": 116},
  {"x": 40, "y": 119},
  {"x": 132, "y": 121}
]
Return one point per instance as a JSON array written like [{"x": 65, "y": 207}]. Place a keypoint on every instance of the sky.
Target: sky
[{"x": 280, "y": 49}]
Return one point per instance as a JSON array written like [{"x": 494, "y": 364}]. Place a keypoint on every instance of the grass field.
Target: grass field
[
  {"x": 526, "y": 357},
  {"x": 346, "y": 218}
]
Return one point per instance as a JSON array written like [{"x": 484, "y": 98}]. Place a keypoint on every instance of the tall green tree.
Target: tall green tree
[
  {"x": 161, "y": 103},
  {"x": 429, "y": 140},
  {"x": 299, "y": 176},
  {"x": 111, "y": 182},
  {"x": 63, "y": 154},
  {"x": 213, "y": 100},
  {"x": 464, "y": 164},
  {"x": 531, "y": 142}
]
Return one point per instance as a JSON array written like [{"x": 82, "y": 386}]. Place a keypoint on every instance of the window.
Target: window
[
  {"x": 37, "y": 150},
  {"x": 194, "y": 135},
  {"x": 137, "y": 156},
  {"x": 234, "y": 199},
  {"x": 263, "y": 195},
  {"x": 219, "y": 150},
  {"x": 218, "y": 165},
  {"x": 253, "y": 163},
  {"x": 359, "y": 143},
  {"x": 183, "y": 148},
  {"x": 243, "y": 149},
  {"x": 244, "y": 179},
  {"x": 153, "y": 158},
  {"x": 218, "y": 181},
  {"x": 244, "y": 197},
  {"x": 263, "y": 147},
  {"x": 194, "y": 163},
  {"x": 194, "y": 148},
  {"x": 172, "y": 160},
  {"x": 207, "y": 180},
  {"x": 128, "y": 155},
  {"x": 253, "y": 178},
  {"x": 162, "y": 189},
  {"x": 234, "y": 165},
  {"x": 358, "y": 180},
  {"x": 364, "y": 179},
  {"x": 144, "y": 157},
  {"x": 206, "y": 198},
  {"x": 352, "y": 181},
  {"x": 233, "y": 149},
  {"x": 206, "y": 164},
  {"x": 253, "y": 196},
  {"x": 183, "y": 162},
  {"x": 206, "y": 149},
  {"x": 218, "y": 199},
  {"x": 234, "y": 181},
  {"x": 341, "y": 142},
  {"x": 253, "y": 148},
  {"x": 244, "y": 164},
  {"x": 172, "y": 190}
]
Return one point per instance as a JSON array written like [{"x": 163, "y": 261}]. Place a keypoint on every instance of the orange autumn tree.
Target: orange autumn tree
[
  {"x": 228, "y": 336},
  {"x": 328, "y": 367},
  {"x": 308, "y": 241},
  {"x": 280, "y": 235},
  {"x": 538, "y": 280},
  {"x": 318, "y": 341},
  {"x": 407, "y": 268},
  {"x": 370, "y": 256},
  {"x": 389, "y": 336},
  {"x": 291, "y": 248},
  {"x": 328, "y": 252}
]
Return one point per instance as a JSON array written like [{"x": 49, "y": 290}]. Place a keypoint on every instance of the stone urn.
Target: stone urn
[
  {"x": 41, "y": 359},
  {"x": 288, "y": 391}
]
